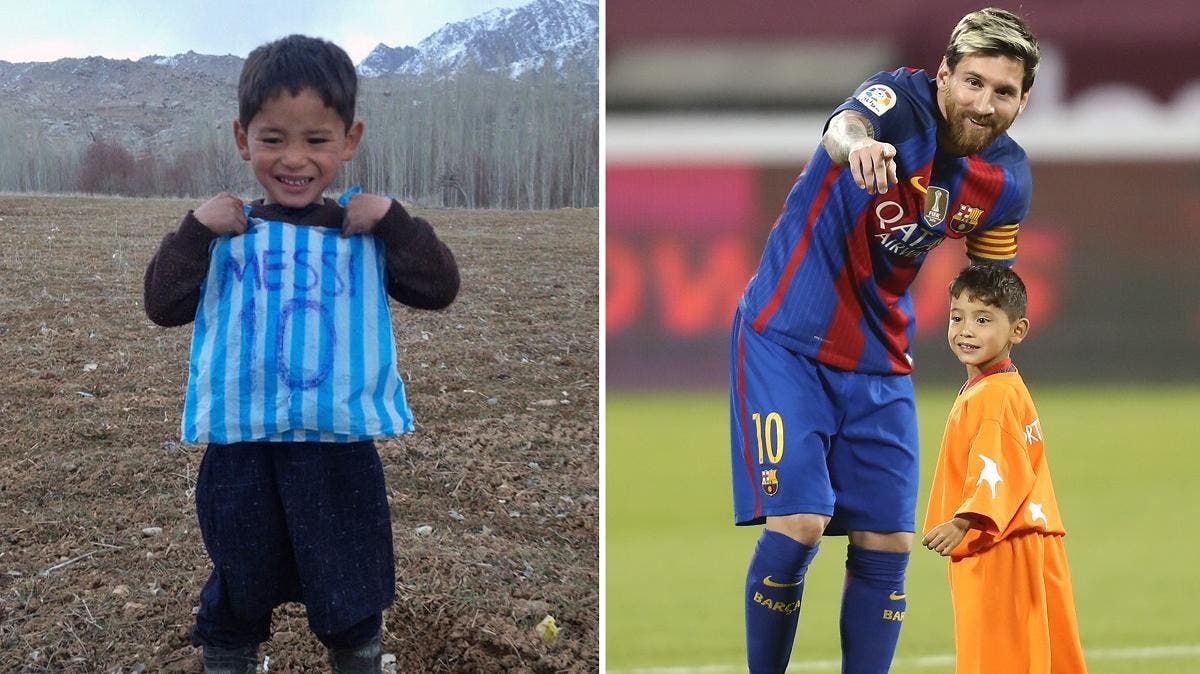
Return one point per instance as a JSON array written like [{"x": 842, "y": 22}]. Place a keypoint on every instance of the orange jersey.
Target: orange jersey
[
  {"x": 1010, "y": 587},
  {"x": 1014, "y": 609},
  {"x": 992, "y": 465}
]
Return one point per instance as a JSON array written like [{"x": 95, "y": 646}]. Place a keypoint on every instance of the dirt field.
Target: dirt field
[{"x": 502, "y": 466}]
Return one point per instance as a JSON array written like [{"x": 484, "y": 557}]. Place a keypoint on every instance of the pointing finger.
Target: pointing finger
[
  {"x": 856, "y": 171},
  {"x": 881, "y": 175}
]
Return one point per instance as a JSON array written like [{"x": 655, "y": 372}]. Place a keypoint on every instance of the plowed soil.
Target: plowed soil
[{"x": 494, "y": 497}]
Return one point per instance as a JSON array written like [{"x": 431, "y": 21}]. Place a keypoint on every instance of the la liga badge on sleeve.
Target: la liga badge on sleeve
[{"x": 879, "y": 98}]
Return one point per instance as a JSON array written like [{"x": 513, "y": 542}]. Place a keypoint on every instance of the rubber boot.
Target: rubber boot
[
  {"x": 364, "y": 659},
  {"x": 242, "y": 660}
]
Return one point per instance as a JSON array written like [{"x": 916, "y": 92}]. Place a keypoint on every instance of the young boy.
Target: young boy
[
  {"x": 991, "y": 507},
  {"x": 282, "y": 383}
]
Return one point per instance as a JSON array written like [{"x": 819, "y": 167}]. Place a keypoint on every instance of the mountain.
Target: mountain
[
  {"x": 515, "y": 41},
  {"x": 163, "y": 103},
  {"x": 139, "y": 104},
  {"x": 222, "y": 68},
  {"x": 384, "y": 59}
]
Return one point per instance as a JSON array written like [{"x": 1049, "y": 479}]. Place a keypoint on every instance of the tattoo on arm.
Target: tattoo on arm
[{"x": 846, "y": 129}]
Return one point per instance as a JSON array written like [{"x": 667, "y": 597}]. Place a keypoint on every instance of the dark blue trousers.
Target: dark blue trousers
[{"x": 306, "y": 522}]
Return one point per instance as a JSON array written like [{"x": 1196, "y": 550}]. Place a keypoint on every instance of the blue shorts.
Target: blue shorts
[{"x": 809, "y": 438}]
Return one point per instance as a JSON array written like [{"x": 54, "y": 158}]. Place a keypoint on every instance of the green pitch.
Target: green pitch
[{"x": 1126, "y": 465}]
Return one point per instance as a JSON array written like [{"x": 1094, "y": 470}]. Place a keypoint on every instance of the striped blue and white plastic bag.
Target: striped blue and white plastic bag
[{"x": 293, "y": 341}]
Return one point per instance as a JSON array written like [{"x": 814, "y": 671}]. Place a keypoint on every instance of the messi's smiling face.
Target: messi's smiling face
[{"x": 978, "y": 100}]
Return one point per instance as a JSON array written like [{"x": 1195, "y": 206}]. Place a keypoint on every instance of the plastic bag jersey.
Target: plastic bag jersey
[{"x": 293, "y": 340}]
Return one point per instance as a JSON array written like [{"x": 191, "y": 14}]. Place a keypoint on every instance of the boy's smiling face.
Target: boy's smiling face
[
  {"x": 295, "y": 145},
  {"x": 980, "y": 334}
]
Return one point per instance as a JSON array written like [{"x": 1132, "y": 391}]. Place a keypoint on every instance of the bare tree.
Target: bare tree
[
  {"x": 106, "y": 169},
  {"x": 525, "y": 143},
  {"x": 221, "y": 167},
  {"x": 479, "y": 139}
]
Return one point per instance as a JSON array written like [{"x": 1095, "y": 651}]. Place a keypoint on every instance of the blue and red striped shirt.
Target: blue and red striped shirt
[{"x": 834, "y": 276}]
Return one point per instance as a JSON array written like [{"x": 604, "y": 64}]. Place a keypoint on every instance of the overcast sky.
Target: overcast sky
[{"x": 47, "y": 30}]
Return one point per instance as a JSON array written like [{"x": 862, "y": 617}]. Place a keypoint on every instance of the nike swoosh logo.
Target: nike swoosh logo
[
  {"x": 897, "y": 596},
  {"x": 770, "y": 583},
  {"x": 915, "y": 181}
]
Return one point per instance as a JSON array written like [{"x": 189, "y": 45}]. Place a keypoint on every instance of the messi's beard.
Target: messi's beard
[{"x": 962, "y": 136}]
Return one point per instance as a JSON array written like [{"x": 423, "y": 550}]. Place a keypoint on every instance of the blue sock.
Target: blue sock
[
  {"x": 873, "y": 607},
  {"x": 774, "y": 585}
]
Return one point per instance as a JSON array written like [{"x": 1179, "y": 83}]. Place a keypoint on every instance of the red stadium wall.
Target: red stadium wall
[{"x": 1108, "y": 254}]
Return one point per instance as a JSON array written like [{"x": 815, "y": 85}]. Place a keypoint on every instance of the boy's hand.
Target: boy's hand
[
  {"x": 222, "y": 214},
  {"x": 363, "y": 212},
  {"x": 946, "y": 536}
]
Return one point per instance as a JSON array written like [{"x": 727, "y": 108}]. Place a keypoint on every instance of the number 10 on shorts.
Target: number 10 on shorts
[{"x": 770, "y": 438}]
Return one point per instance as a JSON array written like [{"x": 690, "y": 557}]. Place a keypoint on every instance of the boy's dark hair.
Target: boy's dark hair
[
  {"x": 992, "y": 284},
  {"x": 294, "y": 63}
]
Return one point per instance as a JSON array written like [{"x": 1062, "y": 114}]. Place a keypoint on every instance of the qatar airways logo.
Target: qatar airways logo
[{"x": 902, "y": 234}]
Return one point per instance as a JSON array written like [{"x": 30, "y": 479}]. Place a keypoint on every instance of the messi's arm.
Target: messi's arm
[
  {"x": 850, "y": 140},
  {"x": 997, "y": 245}
]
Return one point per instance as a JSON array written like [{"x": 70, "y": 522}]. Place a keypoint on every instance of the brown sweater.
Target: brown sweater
[{"x": 421, "y": 271}]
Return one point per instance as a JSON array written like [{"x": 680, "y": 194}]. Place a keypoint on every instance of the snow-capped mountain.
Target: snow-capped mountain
[
  {"x": 384, "y": 59},
  {"x": 160, "y": 103},
  {"x": 223, "y": 68},
  {"x": 516, "y": 40}
]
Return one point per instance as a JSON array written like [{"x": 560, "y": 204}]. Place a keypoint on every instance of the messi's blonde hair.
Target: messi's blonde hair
[{"x": 995, "y": 32}]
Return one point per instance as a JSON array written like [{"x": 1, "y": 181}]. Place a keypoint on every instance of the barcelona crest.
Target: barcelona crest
[
  {"x": 770, "y": 483},
  {"x": 966, "y": 219}
]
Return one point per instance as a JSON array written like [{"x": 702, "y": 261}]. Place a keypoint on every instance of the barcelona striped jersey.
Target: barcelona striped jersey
[{"x": 833, "y": 281}]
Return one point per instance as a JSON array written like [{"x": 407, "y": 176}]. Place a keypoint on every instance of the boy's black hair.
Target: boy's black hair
[
  {"x": 294, "y": 63},
  {"x": 992, "y": 284}
]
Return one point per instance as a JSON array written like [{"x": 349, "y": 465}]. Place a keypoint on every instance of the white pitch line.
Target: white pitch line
[{"x": 924, "y": 661}]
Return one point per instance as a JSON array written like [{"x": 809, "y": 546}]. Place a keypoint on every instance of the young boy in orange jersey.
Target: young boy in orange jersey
[{"x": 992, "y": 508}]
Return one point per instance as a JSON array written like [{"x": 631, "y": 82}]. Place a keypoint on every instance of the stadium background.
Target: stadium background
[{"x": 712, "y": 110}]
